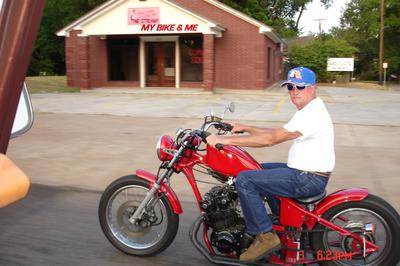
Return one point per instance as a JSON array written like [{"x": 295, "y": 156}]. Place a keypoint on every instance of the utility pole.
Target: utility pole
[
  {"x": 320, "y": 24},
  {"x": 381, "y": 41}
]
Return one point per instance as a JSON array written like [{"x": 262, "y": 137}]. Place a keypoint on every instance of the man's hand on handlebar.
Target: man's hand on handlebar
[
  {"x": 237, "y": 128},
  {"x": 217, "y": 141},
  {"x": 212, "y": 140}
]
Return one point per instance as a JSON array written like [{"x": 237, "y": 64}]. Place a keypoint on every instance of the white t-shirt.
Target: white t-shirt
[{"x": 314, "y": 150}]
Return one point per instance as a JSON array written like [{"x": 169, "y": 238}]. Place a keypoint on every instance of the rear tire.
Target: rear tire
[
  {"x": 128, "y": 192},
  {"x": 388, "y": 229}
]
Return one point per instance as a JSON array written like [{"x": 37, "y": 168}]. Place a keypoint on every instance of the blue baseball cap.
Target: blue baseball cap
[{"x": 300, "y": 76}]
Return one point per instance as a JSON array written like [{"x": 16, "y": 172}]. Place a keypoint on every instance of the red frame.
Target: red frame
[{"x": 292, "y": 214}]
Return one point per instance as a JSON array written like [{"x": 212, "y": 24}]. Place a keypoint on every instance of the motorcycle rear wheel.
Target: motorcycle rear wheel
[
  {"x": 118, "y": 202},
  {"x": 352, "y": 216}
]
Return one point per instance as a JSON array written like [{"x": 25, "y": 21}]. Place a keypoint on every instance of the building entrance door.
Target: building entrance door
[{"x": 160, "y": 64}]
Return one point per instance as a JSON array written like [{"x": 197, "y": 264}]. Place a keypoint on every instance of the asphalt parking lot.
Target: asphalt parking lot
[
  {"x": 79, "y": 143},
  {"x": 347, "y": 106}
]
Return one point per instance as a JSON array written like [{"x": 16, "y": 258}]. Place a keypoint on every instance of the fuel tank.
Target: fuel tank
[{"x": 230, "y": 160}]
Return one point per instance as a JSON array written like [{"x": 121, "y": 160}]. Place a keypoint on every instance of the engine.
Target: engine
[{"x": 228, "y": 229}]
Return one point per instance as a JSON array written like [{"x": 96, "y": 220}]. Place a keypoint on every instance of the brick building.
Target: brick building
[{"x": 171, "y": 43}]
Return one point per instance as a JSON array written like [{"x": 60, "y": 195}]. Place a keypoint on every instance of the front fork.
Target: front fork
[{"x": 150, "y": 199}]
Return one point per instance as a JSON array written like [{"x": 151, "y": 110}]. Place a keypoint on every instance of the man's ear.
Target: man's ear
[{"x": 313, "y": 89}]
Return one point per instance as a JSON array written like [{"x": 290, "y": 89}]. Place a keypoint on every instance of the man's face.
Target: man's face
[{"x": 301, "y": 98}]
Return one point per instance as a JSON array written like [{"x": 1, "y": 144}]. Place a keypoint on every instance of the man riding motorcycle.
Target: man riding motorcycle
[{"x": 311, "y": 159}]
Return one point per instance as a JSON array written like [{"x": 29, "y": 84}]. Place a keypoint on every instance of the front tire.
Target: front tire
[
  {"x": 352, "y": 216},
  {"x": 117, "y": 204}
]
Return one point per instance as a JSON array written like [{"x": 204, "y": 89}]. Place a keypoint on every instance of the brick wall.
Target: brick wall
[
  {"x": 77, "y": 60},
  {"x": 208, "y": 61},
  {"x": 86, "y": 61},
  {"x": 71, "y": 59},
  {"x": 83, "y": 62},
  {"x": 98, "y": 62},
  {"x": 239, "y": 58},
  {"x": 276, "y": 63},
  {"x": 240, "y": 53}
]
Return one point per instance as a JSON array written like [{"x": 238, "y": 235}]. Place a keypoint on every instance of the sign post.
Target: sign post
[{"x": 385, "y": 66}]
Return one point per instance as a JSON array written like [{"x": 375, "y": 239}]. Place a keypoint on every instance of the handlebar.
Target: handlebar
[
  {"x": 203, "y": 134},
  {"x": 224, "y": 126}
]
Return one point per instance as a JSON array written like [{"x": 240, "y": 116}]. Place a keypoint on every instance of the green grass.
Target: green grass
[{"x": 46, "y": 84}]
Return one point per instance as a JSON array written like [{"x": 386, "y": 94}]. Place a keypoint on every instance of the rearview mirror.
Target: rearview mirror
[
  {"x": 231, "y": 107},
  {"x": 24, "y": 117}
]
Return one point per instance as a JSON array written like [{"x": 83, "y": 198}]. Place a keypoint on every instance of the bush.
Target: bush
[{"x": 315, "y": 54}]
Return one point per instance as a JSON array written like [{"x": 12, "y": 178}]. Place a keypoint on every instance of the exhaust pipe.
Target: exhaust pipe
[{"x": 216, "y": 259}]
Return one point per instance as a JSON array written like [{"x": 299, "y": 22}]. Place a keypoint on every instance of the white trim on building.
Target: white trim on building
[
  {"x": 214, "y": 27},
  {"x": 97, "y": 23}
]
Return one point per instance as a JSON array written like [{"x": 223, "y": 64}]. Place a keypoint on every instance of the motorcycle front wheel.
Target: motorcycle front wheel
[
  {"x": 152, "y": 235},
  {"x": 353, "y": 216}
]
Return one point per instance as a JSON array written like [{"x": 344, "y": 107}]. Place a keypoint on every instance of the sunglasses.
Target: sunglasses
[{"x": 291, "y": 87}]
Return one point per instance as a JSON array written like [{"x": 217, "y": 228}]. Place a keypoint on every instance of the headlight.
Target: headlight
[{"x": 164, "y": 142}]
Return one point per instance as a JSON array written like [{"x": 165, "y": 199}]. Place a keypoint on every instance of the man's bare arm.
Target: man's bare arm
[
  {"x": 248, "y": 129},
  {"x": 258, "y": 137}
]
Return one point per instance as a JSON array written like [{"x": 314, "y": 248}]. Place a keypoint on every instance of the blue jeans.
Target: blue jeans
[{"x": 276, "y": 180}]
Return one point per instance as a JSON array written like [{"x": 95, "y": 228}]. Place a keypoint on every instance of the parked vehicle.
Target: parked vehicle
[{"x": 139, "y": 214}]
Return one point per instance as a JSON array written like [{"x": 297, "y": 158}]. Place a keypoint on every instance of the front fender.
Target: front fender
[
  {"x": 171, "y": 196},
  {"x": 341, "y": 196}
]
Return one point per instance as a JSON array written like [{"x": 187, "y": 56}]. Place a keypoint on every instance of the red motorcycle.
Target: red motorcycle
[{"x": 139, "y": 214}]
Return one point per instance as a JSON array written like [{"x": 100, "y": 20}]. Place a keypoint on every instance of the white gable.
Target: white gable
[{"x": 114, "y": 19}]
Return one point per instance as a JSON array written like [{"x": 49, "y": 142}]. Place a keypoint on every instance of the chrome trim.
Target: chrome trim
[
  {"x": 209, "y": 125},
  {"x": 179, "y": 131},
  {"x": 158, "y": 147},
  {"x": 385, "y": 227},
  {"x": 25, "y": 94},
  {"x": 139, "y": 211},
  {"x": 140, "y": 240},
  {"x": 369, "y": 228}
]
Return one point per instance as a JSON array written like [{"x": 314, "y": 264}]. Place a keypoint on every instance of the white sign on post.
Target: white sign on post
[
  {"x": 340, "y": 64},
  {"x": 385, "y": 65}
]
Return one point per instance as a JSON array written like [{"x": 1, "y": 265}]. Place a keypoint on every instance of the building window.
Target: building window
[
  {"x": 192, "y": 58},
  {"x": 123, "y": 59}
]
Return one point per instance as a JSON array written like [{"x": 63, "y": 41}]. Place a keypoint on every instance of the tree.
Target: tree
[
  {"x": 360, "y": 27},
  {"x": 315, "y": 54},
  {"x": 48, "y": 54},
  {"x": 283, "y": 15}
]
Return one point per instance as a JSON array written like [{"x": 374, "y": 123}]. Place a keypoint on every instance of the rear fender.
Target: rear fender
[
  {"x": 171, "y": 196},
  {"x": 338, "y": 197}
]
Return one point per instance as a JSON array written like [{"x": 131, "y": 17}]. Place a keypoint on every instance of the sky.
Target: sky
[{"x": 315, "y": 10}]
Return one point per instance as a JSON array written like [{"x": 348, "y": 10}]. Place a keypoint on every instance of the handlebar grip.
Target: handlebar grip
[
  {"x": 224, "y": 126},
  {"x": 227, "y": 127},
  {"x": 219, "y": 146},
  {"x": 204, "y": 136}
]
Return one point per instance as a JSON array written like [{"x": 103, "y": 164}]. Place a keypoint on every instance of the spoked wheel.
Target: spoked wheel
[
  {"x": 152, "y": 234},
  {"x": 355, "y": 216}
]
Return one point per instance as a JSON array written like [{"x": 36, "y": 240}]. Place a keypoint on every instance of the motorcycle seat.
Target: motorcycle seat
[{"x": 312, "y": 199}]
